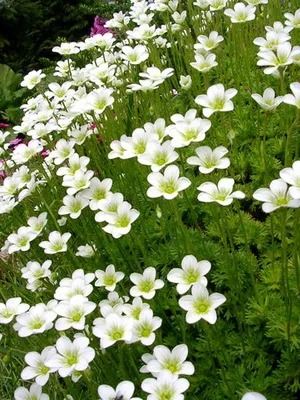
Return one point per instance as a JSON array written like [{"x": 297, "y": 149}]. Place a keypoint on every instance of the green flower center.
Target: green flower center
[
  {"x": 76, "y": 206},
  {"x": 165, "y": 393},
  {"x": 191, "y": 276},
  {"x": 109, "y": 280},
  {"x": 71, "y": 358},
  {"x": 145, "y": 330},
  {"x": 218, "y": 103},
  {"x": 99, "y": 194},
  {"x": 100, "y": 104},
  {"x": 146, "y": 286},
  {"x": 202, "y": 305},
  {"x": 123, "y": 221},
  {"x": 117, "y": 333},
  {"x": 172, "y": 365},
  {"x": 36, "y": 323},
  {"x": 140, "y": 147},
  {"x": 160, "y": 158},
  {"x": 170, "y": 186}
]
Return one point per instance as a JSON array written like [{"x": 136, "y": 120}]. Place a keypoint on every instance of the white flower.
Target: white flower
[
  {"x": 216, "y": 99},
  {"x": 119, "y": 223},
  {"x": 21, "y": 240},
  {"x": 34, "y": 393},
  {"x": 190, "y": 273},
  {"x": 268, "y": 101},
  {"x": 63, "y": 150},
  {"x": 36, "y": 366},
  {"x": 146, "y": 284},
  {"x": 37, "y": 320},
  {"x": 155, "y": 74},
  {"x": 99, "y": 99},
  {"x": 71, "y": 356},
  {"x": 37, "y": 224},
  {"x": 59, "y": 91},
  {"x": 210, "y": 42},
  {"x": 143, "y": 329},
  {"x": 75, "y": 163},
  {"x": 209, "y": 159},
  {"x": 109, "y": 205},
  {"x": 97, "y": 191},
  {"x": 156, "y": 130},
  {"x": 34, "y": 270},
  {"x": 86, "y": 251},
  {"x": 166, "y": 386},
  {"x": 11, "y": 308},
  {"x": 77, "y": 286},
  {"x": 32, "y": 79},
  {"x": 293, "y": 20},
  {"x": 113, "y": 304},
  {"x": 9, "y": 187},
  {"x": 187, "y": 129},
  {"x": 185, "y": 82},
  {"x": 273, "y": 39},
  {"x": 158, "y": 155},
  {"x": 73, "y": 205},
  {"x": 73, "y": 312},
  {"x": 294, "y": 99},
  {"x": 66, "y": 48},
  {"x": 253, "y": 396},
  {"x": 166, "y": 360},
  {"x": 204, "y": 63},
  {"x": 201, "y": 305},
  {"x": 134, "y": 310},
  {"x": 279, "y": 28},
  {"x": 137, "y": 144},
  {"x": 292, "y": 177},
  {"x": 222, "y": 194},
  {"x": 108, "y": 278},
  {"x": 241, "y": 13},
  {"x": 112, "y": 328},
  {"x": 81, "y": 180},
  {"x": 277, "y": 196},
  {"x": 135, "y": 55},
  {"x": 24, "y": 153},
  {"x": 124, "y": 391},
  {"x": 57, "y": 243},
  {"x": 144, "y": 85},
  {"x": 168, "y": 184},
  {"x": 284, "y": 55}
]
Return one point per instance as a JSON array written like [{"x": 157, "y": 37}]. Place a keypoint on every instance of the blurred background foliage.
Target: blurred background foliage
[{"x": 30, "y": 29}]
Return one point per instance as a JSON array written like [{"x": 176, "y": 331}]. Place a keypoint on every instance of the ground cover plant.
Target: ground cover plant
[{"x": 150, "y": 215}]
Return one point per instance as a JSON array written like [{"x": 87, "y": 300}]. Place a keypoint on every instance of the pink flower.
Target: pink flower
[{"x": 2, "y": 125}]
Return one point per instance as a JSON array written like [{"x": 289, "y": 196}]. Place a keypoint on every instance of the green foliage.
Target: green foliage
[{"x": 12, "y": 96}]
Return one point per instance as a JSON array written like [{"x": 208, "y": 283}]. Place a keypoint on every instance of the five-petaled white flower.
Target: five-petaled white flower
[
  {"x": 166, "y": 360},
  {"x": 108, "y": 278},
  {"x": 222, "y": 194},
  {"x": 209, "y": 159},
  {"x": 268, "y": 101},
  {"x": 36, "y": 366},
  {"x": 11, "y": 308},
  {"x": 146, "y": 284},
  {"x": 191, "y": 272},
  {"x": 241, "y": 13},
  {"x": 201, "y": 305},
  {"x": 32, "y": 79},
  {"x": 168, "y": 184},
  {"x": 216, "y": 99},
  {"x": 277, "y": 196},
  {"x": 71, "y": 356},
  {"x": 57, "y": 242}
]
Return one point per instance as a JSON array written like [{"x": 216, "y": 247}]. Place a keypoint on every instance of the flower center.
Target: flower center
[
  {"x": 123, "y": 221},
  {"x": 202, "y": 305},
  {"x": 169, "y": 186},
  {"x": 146, "y": 286},
  {"x": 36, "y": 323},
  {"x": 109, "y": 280},
  {"x": 191, "y": 276}
]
